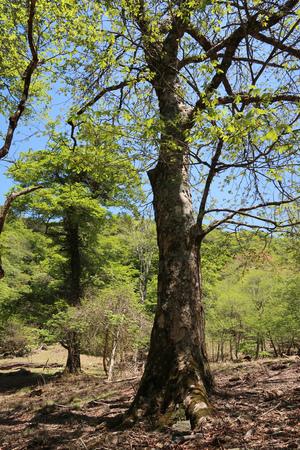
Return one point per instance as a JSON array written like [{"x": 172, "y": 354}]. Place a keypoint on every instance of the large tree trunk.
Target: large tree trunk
[
  {"x": 71, "y": 228},
  {"x": 177, "y": 369}
]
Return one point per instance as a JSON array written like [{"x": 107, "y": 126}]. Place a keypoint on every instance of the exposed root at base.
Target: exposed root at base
[{"x": 196, "y": 406}]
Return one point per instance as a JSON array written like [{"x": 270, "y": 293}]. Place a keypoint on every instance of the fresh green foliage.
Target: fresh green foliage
[
  {"x": 253, "y": 305},
  {"x": 33, "y": 281},
  {"x": 182, "y": 79},
  {"x": 251, "y": 287}
]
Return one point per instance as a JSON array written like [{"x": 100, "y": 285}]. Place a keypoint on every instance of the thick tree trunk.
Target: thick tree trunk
[
  {"x": 71, "y": 228},
  {"x": 177, "y": 369}
]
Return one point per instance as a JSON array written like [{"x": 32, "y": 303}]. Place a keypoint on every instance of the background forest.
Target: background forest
[{"x": 251, "y": 289}]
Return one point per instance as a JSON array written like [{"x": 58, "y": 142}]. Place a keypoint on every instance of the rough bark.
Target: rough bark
[
  {"x": 177, "y": 369},
  {"x": 72, "y": 344}
]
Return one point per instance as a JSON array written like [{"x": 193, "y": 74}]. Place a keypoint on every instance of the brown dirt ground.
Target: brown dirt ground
[{"x": 43, "y": 410}]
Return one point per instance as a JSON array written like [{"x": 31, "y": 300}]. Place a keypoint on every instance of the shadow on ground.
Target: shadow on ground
[{"x": 11, "y": 382}]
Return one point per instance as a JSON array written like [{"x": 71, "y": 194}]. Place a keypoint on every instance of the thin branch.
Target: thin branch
[
  {"x": 104, "y": 91},
  {"x": 243, "y": 211},
  {"x": 248, "y": 98},
  {"x": 212, "y": 172},
  {"x": 73, "y": 126},
  {"x": 277, "y": 227},
  {"x": 10, "y": 199},
  {"x": 231, "y": 43},
  {"x": 277, "y": 44}
]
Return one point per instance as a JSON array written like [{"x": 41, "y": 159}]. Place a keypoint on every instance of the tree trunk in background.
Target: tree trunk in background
[
  {"x": 71, "y": 228},
  {"x": 144, "y": 278},
  {"x": 222, "y": 350},
  {"x": 105, "y": 351},
  {"x": 73, "y": 346},
  {"x": 113, "y": 356},
  {"x": 218, "y": 352},
  {"x": 273, "y": 345},
  {"x": 231, "y": 350}
]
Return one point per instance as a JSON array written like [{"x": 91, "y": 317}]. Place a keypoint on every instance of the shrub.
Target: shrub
[{"x": 16, "y": 339}]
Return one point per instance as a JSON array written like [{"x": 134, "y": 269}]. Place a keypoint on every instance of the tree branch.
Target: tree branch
[
  {"x": 277, "y": 44},
  {"x": 104, "y": 91},
  {"x": 248, "y": 98},
  {"x": 10, "y": 199},
  {"x": 231, "y": 43},
  {"x": 27, "y": 76},
  {"x": 244, "y": 212},
  {"x": 212, "y": 172},
  {"x": 277, "y": 226}
]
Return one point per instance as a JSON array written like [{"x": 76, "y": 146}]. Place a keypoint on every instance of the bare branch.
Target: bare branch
[
  {"x": 212, "y": 172},
  {"x": 115, "y": 87},
  {"x": 277, "y": 44},
  {"x": 277, "y": 226},
  {"x": 244, "y": 212},
  {"x": 231, "y": 43}
]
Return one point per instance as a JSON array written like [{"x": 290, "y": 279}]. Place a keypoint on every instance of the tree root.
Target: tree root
[{"x": 196, "y": 406}]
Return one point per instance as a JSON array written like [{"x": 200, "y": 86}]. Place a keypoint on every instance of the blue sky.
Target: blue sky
[
  {"x": 29, "y": 135},
  {"x": 25, "y": 138}
]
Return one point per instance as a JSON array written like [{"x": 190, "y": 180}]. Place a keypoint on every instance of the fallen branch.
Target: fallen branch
[{"x": 271, "y": 409}]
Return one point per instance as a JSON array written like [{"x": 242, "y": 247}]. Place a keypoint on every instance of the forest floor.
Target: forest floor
[{"x": 40, "y": 409}]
